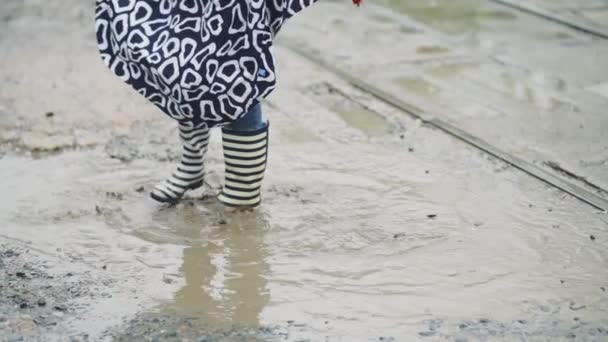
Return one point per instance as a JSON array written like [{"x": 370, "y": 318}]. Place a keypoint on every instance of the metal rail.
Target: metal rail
[
  {"x": 417, "y": 113},
  {"x": 526, "y": 8}
]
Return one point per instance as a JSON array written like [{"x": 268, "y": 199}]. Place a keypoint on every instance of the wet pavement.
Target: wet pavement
[
  {"x": 529, "y": 86},
  {"x": 589, "y": 16},
  {"x": 374, "y": 227}
]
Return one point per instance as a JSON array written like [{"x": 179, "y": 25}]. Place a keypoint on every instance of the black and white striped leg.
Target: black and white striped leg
[
  {"x": 190, "y": 172},
  {"x": 245, "y": 154}
]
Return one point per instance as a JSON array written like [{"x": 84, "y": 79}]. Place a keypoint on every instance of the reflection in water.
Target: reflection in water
[{"x": 225, "y": 275}]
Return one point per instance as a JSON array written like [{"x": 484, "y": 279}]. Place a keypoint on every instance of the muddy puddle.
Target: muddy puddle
[
  {"x": 456, "y": 17},
  {"x": 354, "y": 114},
  {"x": 395, "y": 239}
]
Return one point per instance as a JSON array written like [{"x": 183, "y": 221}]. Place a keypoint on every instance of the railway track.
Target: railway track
[
  {"x": 429, "y": 119},
  {"x": 530, "y": 9}
]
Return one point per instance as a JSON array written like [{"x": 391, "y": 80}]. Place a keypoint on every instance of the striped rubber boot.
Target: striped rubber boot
[
  {"x": 190, "y": 172},
  {"x": 245, "y": 154}
]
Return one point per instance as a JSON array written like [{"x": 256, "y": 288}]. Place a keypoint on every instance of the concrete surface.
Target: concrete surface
[
  {"x": 531, "y": 87},
  {"x": 588, "y": 16}
]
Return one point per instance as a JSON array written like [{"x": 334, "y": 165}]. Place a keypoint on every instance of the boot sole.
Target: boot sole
[{"x": 174, "y": 201}]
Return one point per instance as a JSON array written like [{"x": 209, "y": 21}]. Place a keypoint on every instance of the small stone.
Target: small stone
[
  {"x": 98, "y": 210},
  {"x": 23, "y": 305},
  {"x": 41, "y": 302},
  {"x": 20, "y": 274},
  {"x": 592, "y": 237},
  {"x": 10, "y": 253},
  {"x": 140, "y": 189},
  {"x": 575, "y": 307},
  {"x": 222, "y": 221},
  {"x": 431, "y": 216},
  {"x": 290, "y": 321},
  {"x": 484, "y": 321},
  {"x": 61, "y": 307},
  {"x": 410, "y": 149},
  {"x": 562, "y": 281},
  {"x": 398, "y": 235},
  {"x": 104, "y": 267},
  {"x": 463, "y": 325},
  {"x": 402, "y": 136},
  {"x": 426, "y": 333},
  {"x": 49, "y": 114},
  {"x": 69, "y": 274},
  {"x": 265, "y": 330},
  {"x": 603, "y": 289},
  {"x": 427, "y": 171}
]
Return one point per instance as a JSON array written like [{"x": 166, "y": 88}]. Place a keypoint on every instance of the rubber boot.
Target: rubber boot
[
  {"x": 245, "y": 155},
  {"x": 190, "y": 172}
]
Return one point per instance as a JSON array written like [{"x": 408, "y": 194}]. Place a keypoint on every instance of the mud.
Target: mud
[
  {"x": 588, "y": 16},
  {"x": 374, "y": 227},
  {"x": 36, "y": 298},
  {"x": 495, "y": 72}
]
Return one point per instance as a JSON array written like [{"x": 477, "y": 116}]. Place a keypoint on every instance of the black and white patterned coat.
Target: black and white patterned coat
[{"x": 200, "y": 61}]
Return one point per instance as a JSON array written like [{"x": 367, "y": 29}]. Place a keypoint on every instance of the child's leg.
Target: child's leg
[
  {"x": 245, "y": 149},
  {"x": 191, "y": 169},
  {"x": 252, "y": 121}
]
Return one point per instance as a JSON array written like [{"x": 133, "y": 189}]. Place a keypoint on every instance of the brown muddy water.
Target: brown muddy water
[{"x": 374, "y": 227}]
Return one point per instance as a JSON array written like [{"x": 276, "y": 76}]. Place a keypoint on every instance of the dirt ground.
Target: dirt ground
[{"x": 374, "y": 226}]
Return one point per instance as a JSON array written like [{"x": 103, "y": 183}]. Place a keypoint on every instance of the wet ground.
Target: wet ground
[
  {"x": 493, "y": 71},
  {"x": 375, "y": 227}
]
